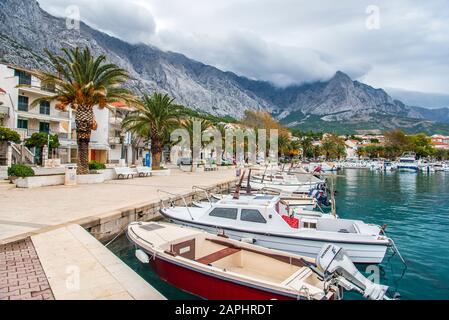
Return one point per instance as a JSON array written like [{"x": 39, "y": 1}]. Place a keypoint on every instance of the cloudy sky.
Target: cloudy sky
[{"x": 392, "y": 44}]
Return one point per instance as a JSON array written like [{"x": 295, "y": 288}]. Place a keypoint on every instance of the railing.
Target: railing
[
  {"x": 114, "y": 140},
  {"x": 4, "y": 110},
  {"x": 26, "y": 133},
  {"x": 22, "y": 154},
  {"x": 170, "y": 200},
  {"x": 115, "y": 121}
]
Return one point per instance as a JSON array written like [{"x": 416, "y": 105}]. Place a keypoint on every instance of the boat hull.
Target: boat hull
[
  {"x": 358, "y": 252},
  {"x": 408, "y": 168},
  {"x": 210, "y": 287}
]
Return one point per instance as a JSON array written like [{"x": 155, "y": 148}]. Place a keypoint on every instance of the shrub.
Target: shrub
[
  {"x": 94, "y": 165},
  {"x": 20, "y": 170},
  {"x": 9, "y": 135},
  {"x": 41, "y": 139}
]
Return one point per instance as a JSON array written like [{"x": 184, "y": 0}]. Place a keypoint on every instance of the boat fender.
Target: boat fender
[
  {"x": 248, "y": 240},
  {"x": 142, "y": 256}
]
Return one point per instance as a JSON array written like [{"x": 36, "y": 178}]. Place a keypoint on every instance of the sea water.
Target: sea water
[{"x": 415, "y": 208}]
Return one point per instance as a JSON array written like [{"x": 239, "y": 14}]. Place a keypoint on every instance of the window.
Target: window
[
  {"x": 226, "y": 213},
  {"x": 23, "y": 103},
  {"x": 24, "y": 78},
  {"x": 309, "y": 225},
  {"x": 44, "y": 127},
  {"x": 252, "y": 216},
  {"x": 44, "y": 107},
  {"x": 22, "y": 124}
]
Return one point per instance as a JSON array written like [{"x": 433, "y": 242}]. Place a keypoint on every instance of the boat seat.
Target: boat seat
[{"x": 221, "y": 254}]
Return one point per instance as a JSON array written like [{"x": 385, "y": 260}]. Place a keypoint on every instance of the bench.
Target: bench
[
  {"x": 124, "y": 172},
  {"x": 144, "y": 171},
  {"x": 210, "y": 167},
  {"x": 213, "y": 257}
]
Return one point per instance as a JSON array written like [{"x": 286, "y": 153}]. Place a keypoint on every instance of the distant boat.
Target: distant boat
[
  {"x": 408, "y": 162},
  {"x": 215, "y": 267}
]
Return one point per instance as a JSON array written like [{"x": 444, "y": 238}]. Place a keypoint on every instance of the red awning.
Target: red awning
[{"x": 118, "y": 104}]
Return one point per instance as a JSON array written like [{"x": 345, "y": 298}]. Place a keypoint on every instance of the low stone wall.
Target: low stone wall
[
  {"x": 108, "y": 174},
  {"x": 40, "y": 181},
  {"x": 56, "y": 180},
  {"x": 3, "y": 172},
  {"x": 107, "y": 226}
]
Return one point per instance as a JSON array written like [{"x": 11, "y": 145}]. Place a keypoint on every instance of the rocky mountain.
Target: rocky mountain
[{"x": 26, "y": 30}]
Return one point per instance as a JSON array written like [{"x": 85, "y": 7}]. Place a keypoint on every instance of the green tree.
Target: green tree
[
  {"x": 153, "y": 121},
  {"x": 397, "y": 141},
  {"x": 333, "y": 147},
  {"x": 82, "y": 82},
  {"x": 421, "y": 144},
  {"x": 39, "y": 140},
  {"x": 307, "y": 147},
  {"x": 8, "y": 135}
]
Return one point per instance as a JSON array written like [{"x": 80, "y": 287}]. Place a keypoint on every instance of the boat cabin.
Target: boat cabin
[{"x": 269, "y": 212}]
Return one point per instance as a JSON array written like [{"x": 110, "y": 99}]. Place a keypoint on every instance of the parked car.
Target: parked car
[{"x": 184, "y": 161}]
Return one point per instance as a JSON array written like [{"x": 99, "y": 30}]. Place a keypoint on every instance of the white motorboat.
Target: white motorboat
[
  {"x": 299, "y": 206},
  {"x": 199, "y": 263},
  {"x": 268, "y": 222},
  {"x": 408, "y": 162},
  {"x": 284, "y": 182}
]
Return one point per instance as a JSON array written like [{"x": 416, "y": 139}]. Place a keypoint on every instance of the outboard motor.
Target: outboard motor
[{"x": 333, "y": 261}]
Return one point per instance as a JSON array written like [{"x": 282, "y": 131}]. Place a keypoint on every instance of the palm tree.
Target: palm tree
[
  {"x": 307, "y": 147},
  {"x": 153, "y": 121},
  {"x": 82, "y": 82},
  {"x": 283, "y": 144}
]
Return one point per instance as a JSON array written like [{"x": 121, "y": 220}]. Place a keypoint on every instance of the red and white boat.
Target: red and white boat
[{"x": 215, "y": 267}]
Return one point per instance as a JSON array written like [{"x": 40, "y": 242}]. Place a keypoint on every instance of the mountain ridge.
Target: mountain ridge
[{"x": 26, "y": 29}]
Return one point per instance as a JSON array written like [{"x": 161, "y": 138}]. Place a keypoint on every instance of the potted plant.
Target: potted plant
[{"x": 19, "y": 171}]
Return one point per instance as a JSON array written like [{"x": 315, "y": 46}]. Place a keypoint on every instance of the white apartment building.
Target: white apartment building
[{"x": 108, "y": 143}]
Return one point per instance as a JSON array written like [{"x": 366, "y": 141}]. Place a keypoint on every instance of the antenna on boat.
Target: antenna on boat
[
  {"x": 333, "y": 202},
  {"x": 239, "y": 185},
  {"x": 248, "y": 185},
  {"x": 265, "y": 172}
]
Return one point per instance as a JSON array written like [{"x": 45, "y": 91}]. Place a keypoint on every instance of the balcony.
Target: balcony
[
  {"x": 53, "y": 117},
  {"x": 4, "y": 111},
  {"x": 116, "y": 121},
  {"x": 114, "y": 140},
  {"x": 27, "y": 133}
]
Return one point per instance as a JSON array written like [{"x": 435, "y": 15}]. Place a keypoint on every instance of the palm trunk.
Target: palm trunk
[
  {"x": 156, "y": 160},
  {"x": 83, "y": 157},
  {"x": 84, "y": 120}
]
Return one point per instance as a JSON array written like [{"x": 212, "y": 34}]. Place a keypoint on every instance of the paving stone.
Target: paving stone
[{"x": 21, "y": 273}]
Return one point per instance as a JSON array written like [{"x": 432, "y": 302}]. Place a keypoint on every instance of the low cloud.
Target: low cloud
[
  {"x": 290, "y": 41},
  {"x": 127, "y": 20}
]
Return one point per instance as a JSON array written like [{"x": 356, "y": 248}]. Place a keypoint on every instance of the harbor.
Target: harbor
[
  {"x": 218, "y": 169},
  {"x": 396, "y": 199}
]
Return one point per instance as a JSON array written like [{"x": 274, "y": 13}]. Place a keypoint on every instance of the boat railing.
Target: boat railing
[
  {"x": 206, "y": 192},
  {"x": 170, "y": 200}
]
